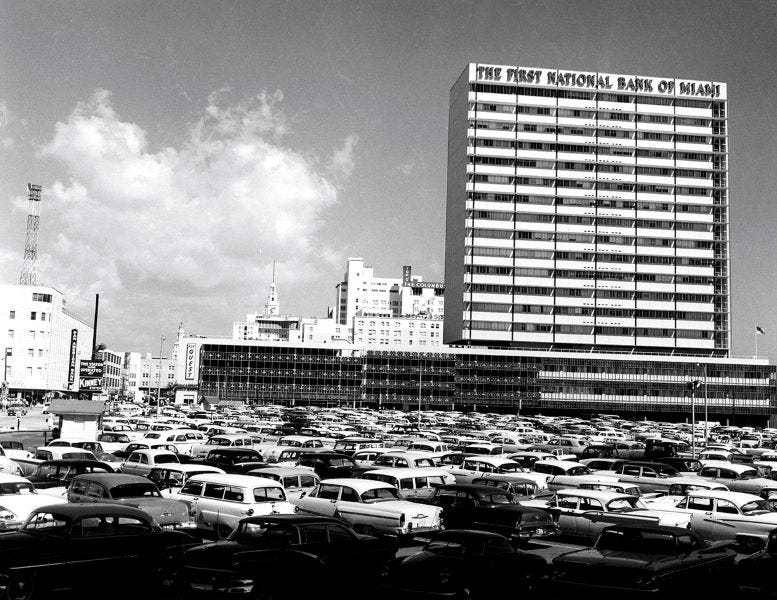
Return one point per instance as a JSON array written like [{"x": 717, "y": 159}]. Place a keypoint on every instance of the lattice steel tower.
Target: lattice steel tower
[{"x": 29, "y": 274}]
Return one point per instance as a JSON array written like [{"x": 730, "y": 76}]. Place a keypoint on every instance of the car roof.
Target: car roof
[
  {"x": 283, "y": 471},
  {"x": 722, "y": 464},
  {"x": 83, "y": 509},
  {"x": 603, "y": 495},
  {"x": 411, "y": 472},
  {"x": 360, "y": 485},
  {"x": 493, "y": 460},
  {"x": 110, "y": 479},
  {"x": 187, "y": 468},
  {"x": 230, "y": 479},
  {"x": 567, "y": 464},
  {"x": 735, "y": 497},
  {"x": 152, "y": 451}
]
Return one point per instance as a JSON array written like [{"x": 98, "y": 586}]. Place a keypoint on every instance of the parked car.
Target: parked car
[
  {"x": 237, "y": 460},
  {"x": 238, "y": 440},
  {"x": 371, "y": 507},
  {"x": 567, "y": 474},
  {"x": 738, "y": 478},
  {"x": 18, "y": 499},
  {"x": 63, "y": 452},
  {"x": 130, "y": 490},
  {"x": 483, "y": 507},
  {"x": 687, "y": 466},
  {"x": 520, "y": 487},
  {"x": 367, "y": 456},
  {"x": 412, "y": 483},
  {"x": 141, "y": 462},
  {"x": 52, "y": 474},
  {"x": 755, "y": 573},
  {"x": 146, "y": 445},
  {"x": 86, "y": 545},
  {"x": 603, "y": 464},
  {"x": 723, "y": 515},
  {"x": 14, "y": 449},
  {"x": 679, "y": 489},
  {"x": 584, "y": 513},
  {"x": 218, "y": 502},
  {"x": 112, "y": 441},
  {"x": 270, "y": 552},
  {"x": 475, "y": 466},
  {"x": 463, "y": 564},
  {"x": 328, "y": 464},
  {"x": 649, "y": 476},
  {"x": 295, "y": 480},
  {"x": 563, "y": 444},
  {"x": 170, "y": 478}
]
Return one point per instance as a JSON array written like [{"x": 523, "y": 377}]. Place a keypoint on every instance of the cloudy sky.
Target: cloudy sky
[{"x": 185, "y": 145}]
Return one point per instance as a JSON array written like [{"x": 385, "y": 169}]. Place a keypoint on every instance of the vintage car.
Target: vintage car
[
  {"x": 620, "y": 449},
  {"x": 738, "y": 478},
  {"x": 412, "y": 483},
  {"x": 371, "y": 507},
  {"x": 63, "y": 452},
  {"x": 484, "y": 507},
  {"x": 237, "y": 440},
  {"x": 263, "y": 555},
  {"x": 170, "y": 478},
  {"x": 217, "y": 502},
  {"x": 723, "y": 515},
  {"x": 367, "y": 456},
  {"x": 295, "y": 480},
  {"x": 237, "y": 460},
  {"x": 271, "y": 452},
  {"x": 720, "y": 455},
  {"x": 113, "y": 461},
  {"x": 567, "y": 474},
  {"x": 130, "y": 490},
  {"x": 19, "y": 498},
  {"x": 474, "y": 466},
  {"x": 141, "y": 462},
  {"x": 145, "y": 445},
  {"x": 612, "y": 486},
  {"x": 651, "y": 477},
  {"x": 86, "y": 545},
  {"x": 55, "y": 475},
  {"x": 351, "y": 445},
  {"x": 646, "y": 560},
  {"x": 563, "y": 444},
  {"x": 460, "y": 563},
  {"x": 113, "y": 441},
  {"x": 14, "y": 449},
  {"x": 520, "y": 487},
  {"x": 527, "y": 458},
  {"x": 603, "y": 464},
  {"x": 327, "y": 464},
  {"x": 755, "y": 572},
  {"x": 584, "y": 513},
  {"x": 681, "y": 487}
]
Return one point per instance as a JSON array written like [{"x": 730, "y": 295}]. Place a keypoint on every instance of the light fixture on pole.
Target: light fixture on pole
[
  {"x": 692, "y": 387},
  {"x": 420, "y": 376},
  {"x": 159, "y": 376}
]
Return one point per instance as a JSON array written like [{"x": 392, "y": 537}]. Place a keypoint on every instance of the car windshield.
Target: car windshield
[
  {"x": 164, "y": 459},
  {"x": 291, "y": 443},
  {"x": 500, "y": 499},
  {"x": 134, "y": 490},
  {"x": 634, "y": 540},
  {"x": 17, "y": 487},
  {"x": 749, "y": 474},
  {"x": 510, "y": 467},
  {"x": 217, "y": 442},
  {"x": 756, "y": 507},
  {"x": 621, "y": 504},
  {"x": 380, "y": 495}
]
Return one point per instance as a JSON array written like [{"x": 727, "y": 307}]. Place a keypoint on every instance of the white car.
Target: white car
[
  {"x": 218, "y": 502},
  {"x": 679, "y": 489},
  {"x": 170, "y": 478},
  {"x": 475, "y": 466},
  {"x": 140, "y": 462},
  {"x": 412, "y": 483},
  {"x": 200, "y": 451},
  {"x": 19, "y": 498},
  {"x": 565, "y": 474},
  {"x": 371, "y": 507}
]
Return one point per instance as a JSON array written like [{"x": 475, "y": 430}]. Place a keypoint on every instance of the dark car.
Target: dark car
[
  {"x": 460, "y": 563},
  {"x": 647, "y": 560},
  {"x": 683, "y": 464},
  {"x": 755, "y": 573},
  {"x": 55, "y": 473},
  {"x": 79, "y": 545},
  {"x": 598, "y": 451},
  {"x": 483, "y": 507},
  {"x": 235, "y": 460},
  {"x": 328, "y": 465},
  {"x": 271, "y": 553}
]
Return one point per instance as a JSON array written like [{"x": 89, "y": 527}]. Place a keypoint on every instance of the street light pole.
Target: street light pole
[
  {"x": 703, "y": 366},
  {"x": 159, "y": 376},
  {"x": 420, "y": 375}
]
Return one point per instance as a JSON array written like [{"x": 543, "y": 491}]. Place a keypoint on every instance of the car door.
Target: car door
[
  {"x": 323, "y": 500},
  {"x": 728, "y": 521},
  {"x": 133, "y": 463},
  {"x": 565, "y": 510},
  {"x": 209, "y": 505},
  {"x": 701, "y": 510}
]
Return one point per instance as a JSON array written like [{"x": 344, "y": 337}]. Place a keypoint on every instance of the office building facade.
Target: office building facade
[{"x": 587, "y": 211}]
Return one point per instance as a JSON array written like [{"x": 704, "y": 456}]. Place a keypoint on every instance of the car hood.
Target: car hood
[
  {"x": 16, "y": 546},
  {"x": 616, "y": 559},
  {"x": 528, "y": 513},
  {"x": 219, "y": 555},
  {"x": 22, "y": 505}
]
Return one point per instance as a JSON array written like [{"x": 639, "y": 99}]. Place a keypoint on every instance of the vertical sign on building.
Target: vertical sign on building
[
  {"x": 71, "y": 369},
  {"x": 190, "y": 354}
]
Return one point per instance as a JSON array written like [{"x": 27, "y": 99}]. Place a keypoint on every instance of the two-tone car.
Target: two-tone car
[
  {"x": 170, "y": 478},
  {"x": 18, "y": 499},
  {"x": 412, "y": 483},
  {"x": 295, "y": 480},
  {"x": 372, "y": 507}
]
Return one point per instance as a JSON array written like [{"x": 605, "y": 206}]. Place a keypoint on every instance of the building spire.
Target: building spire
[{"x": 271, "y": 306}]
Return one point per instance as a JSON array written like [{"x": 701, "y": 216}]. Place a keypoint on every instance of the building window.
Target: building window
[
  {"x": 43, "y": 316},
  {"x": 40, "y": 352},
  {"x": 29, "y": 371}
]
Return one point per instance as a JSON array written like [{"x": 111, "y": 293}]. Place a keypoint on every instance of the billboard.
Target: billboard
[
  {"x": 71, "y": 369},
  {"x": 90, "y": 376}
]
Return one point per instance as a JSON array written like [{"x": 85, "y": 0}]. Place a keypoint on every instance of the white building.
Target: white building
[
  {"x": 587, "y": 211},
  {"x": 113, "y": 365},
  {"x": 37, "y": 333},
  {"x": 410, "y": 332}
]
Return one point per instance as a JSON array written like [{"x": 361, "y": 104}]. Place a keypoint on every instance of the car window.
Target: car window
[
  {"x": 724, "y": 506},
  {"x": 192, "y": 488},
  {"x": 214, "y": 490},
  {"x": 349, "y": 495},
  {"x": 95, "y": 490},
  {"x": 339, "y": 535},
  {"x": 328, "y": 492},
  {"x": 649, "y": 472},
  {"x": 708, "y": 472},
  {"x": 269, "y": 494},
  {"x": 315, "y": 533},
  {"x": 698, "y": 503},
  {"x": 307, "y": 481},
  {"x": 79, "y": 487},
  {"x": 401, "y": 463},
  {"x": 233, "y": 493},
  {"x": 631, "y": 470},
  {"x": 566, "y": 502},
  {"x": 406, "y": 483},
  {"x": 380, "y": 494},
  {"x": 590, "y": 504}
]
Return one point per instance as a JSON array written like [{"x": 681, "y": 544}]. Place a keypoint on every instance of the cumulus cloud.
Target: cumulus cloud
[{"x": 196, "y": 224}]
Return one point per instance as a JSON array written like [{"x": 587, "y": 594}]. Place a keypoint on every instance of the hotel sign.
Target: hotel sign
[
  {"x": 190, "y": 357},
  {"x": 407, "y": 272},
  {"x": 71, "y": 370},
  {"x": 599, "y": 81}
]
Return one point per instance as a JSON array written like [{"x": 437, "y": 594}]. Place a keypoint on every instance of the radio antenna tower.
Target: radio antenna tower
[{"x": 29, "y": 274}]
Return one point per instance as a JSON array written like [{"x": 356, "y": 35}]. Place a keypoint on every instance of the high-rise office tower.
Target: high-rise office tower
[{"x": 587, "y": 211}]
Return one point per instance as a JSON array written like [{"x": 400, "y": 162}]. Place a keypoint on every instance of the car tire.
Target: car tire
[
  {"x": 222, "y": 531},
  {"x": 20, "y": 587}
]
